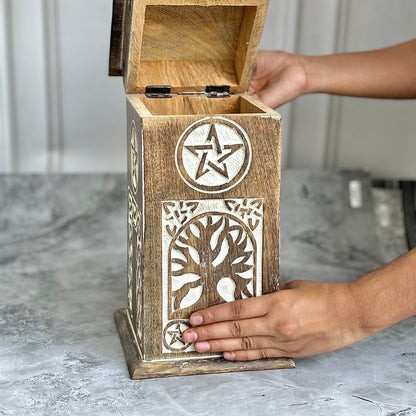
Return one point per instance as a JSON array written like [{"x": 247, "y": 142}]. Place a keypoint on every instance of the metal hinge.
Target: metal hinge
[
  {"x": 158, "y": 91},
  {"x": 164, "y": 91},
  {"x": 217, "y": 91}
]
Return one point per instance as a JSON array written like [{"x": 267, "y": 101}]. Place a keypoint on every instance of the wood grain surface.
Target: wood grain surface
[
  {"x": 186, "y": 44},
  {"x": 200, "y": 105},
  {"x": 161, "y": 182},
  {"x": 116, "y": 63}
]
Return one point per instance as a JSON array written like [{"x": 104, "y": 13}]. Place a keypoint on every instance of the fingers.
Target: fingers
[
  {"x": 249, "y": 355},
  {"x": 232, "y": 311},
  {"x": 235, "y": 344},
  {"x": 229, "y": 329}
]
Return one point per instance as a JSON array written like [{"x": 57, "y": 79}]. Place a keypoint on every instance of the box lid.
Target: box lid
[{"x": 185, "y": 44}]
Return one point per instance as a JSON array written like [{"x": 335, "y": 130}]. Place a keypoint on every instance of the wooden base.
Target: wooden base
[{"x": 140, "y": 369}]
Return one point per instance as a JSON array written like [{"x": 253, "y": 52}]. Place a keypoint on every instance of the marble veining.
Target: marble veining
[
  {"x": 63, "y": 271},
  {"x": 321, "y": 233}
]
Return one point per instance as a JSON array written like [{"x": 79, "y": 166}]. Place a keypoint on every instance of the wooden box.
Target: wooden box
[{"x": 203, "y": 175}]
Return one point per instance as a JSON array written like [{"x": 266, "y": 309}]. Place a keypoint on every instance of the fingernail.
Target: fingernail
[
  {"x": 202, "y": 346},
  {"x": 229, "y": 355},
  {"x": 196, "y": 320},
  {"x": 190, "y": 336}
]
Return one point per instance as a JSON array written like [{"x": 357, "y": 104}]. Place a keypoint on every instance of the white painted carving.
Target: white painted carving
[
  {"x": 139, "y": 279},
  {"x": 134, "y": 157},
  {"x": 213, "y": 154},
  {"x": 134, "y": 269},
  {"x": 211, "y": 253},
  {"x": 250, "y": 209},
  {"x": 172, "y": 336},
  {"x": 130, "y": 256}
]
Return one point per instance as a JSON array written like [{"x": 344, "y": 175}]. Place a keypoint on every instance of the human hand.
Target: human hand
[
  {"x": 278, "y": 78},
  {"x": 303, "y": 318}
]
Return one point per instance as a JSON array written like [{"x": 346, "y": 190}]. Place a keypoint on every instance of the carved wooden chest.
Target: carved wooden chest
[{"x": 203, "y": 175}]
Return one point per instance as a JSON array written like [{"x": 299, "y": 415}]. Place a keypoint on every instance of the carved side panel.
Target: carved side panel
[
  {"x": 135, "y": 255},
  {"x": 211, "y": 253},
  {"x": 135, "y": 246}
]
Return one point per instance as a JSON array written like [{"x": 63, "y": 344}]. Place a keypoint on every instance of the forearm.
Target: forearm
[
  {"x": 386, "y": 296},
  {"x": 383, "y": 73}
]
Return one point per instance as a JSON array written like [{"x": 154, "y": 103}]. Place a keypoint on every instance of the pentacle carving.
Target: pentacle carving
[
  {"x": 134, "y": 157},
  {"x": 172, "y": 335},
  {"x": 213, "y": 155},
  {"x": 212, "y": 259}
]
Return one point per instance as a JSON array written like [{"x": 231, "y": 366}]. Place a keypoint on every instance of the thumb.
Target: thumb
[{"x": 277, "y": 94}]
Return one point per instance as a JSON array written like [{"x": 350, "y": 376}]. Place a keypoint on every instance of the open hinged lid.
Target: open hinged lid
[{"x": 185, "y": 44}]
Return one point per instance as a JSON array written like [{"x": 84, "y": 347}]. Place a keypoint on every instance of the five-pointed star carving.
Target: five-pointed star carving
[
  {"x": 213, "y": 155},
  {"x": 176, "y": 335}
]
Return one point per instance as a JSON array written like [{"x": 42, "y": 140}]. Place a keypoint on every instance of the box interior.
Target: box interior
[
  {"x": 193, "y": 46},
  {"x": 200, "y": 104}
]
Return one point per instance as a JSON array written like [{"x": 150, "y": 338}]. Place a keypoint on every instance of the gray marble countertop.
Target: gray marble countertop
[{"x": 63, "y": 273}]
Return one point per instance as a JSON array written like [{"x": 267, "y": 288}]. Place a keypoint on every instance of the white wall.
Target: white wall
[
  {"x": 340, "y": 132},
  {"x": 5, "y": 116},
  {"x": 65, "y": 113},
  {"x": 379, "y": 135},
  {"x": 60, "y": 112}
]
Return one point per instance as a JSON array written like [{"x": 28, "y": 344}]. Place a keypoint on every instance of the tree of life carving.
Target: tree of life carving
[{"x": 213, "y": 255}]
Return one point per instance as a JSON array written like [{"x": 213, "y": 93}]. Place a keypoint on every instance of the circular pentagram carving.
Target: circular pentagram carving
[
  {"x": 213, "y": 155},
  {"x": 172, "y": 335},
  {"x": 134, "y": 157}
]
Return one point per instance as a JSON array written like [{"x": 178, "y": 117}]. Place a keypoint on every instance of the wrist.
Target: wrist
[
  {"x": 315, "y": 71},
  {"x": 361, "y": 297},
  {"x": 352, "y": 327}
]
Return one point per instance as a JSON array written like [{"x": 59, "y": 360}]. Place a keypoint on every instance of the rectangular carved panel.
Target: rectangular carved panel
[{"x": 211, "y": 253}]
